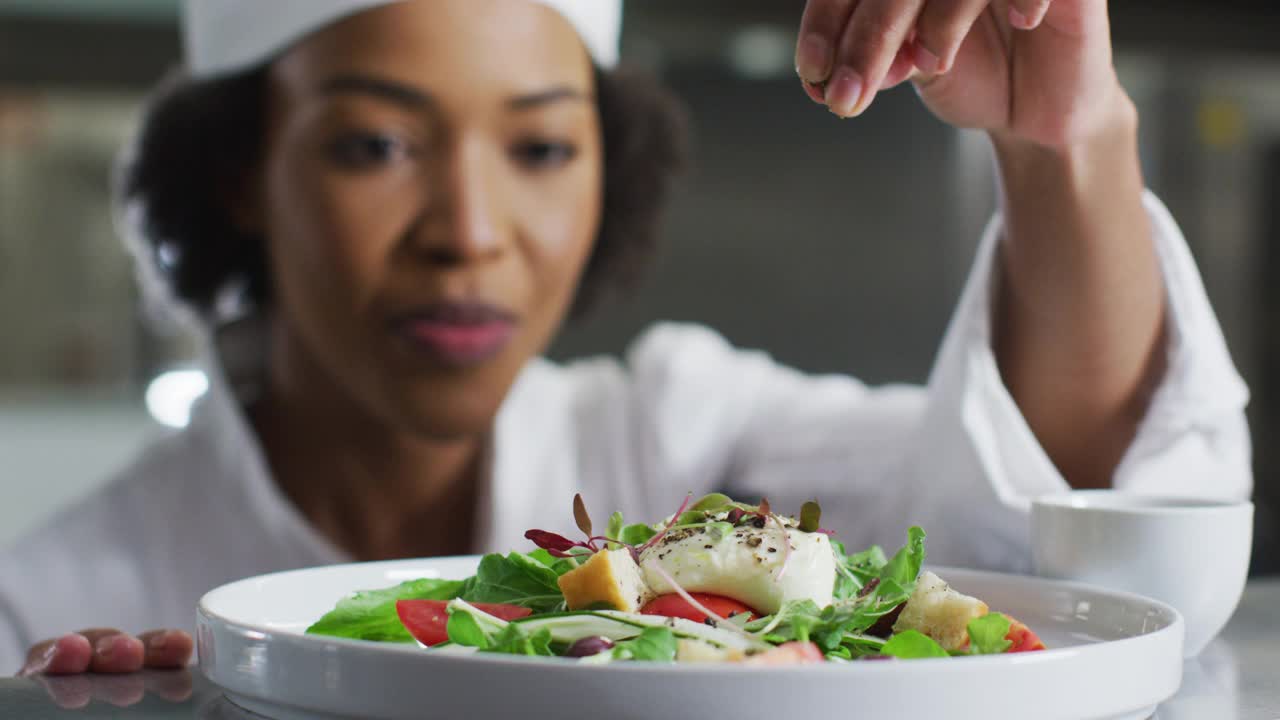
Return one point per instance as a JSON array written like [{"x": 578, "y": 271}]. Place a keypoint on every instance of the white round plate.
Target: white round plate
[{"x": 1113, "y": 655}]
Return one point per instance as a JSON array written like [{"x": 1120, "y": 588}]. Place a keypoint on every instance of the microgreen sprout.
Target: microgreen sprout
[
  {"x": 654, "y": 540},
  {"x": 562, "y": 547}
]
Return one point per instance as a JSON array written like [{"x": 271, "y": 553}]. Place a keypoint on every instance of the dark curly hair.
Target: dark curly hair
[{"x": 200, "y": 138}]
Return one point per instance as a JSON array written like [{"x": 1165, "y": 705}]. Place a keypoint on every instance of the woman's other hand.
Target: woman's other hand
[{"x": 106, "y": 650}]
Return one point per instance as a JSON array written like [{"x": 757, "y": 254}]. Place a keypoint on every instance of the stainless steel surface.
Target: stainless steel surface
[{"x": 1235, "y": 679}]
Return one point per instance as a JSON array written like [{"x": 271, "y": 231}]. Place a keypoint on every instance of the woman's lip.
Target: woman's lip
[{"x": 457, "y": 334}]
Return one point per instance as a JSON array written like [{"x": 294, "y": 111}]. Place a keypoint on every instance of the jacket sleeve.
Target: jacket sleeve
[{"x": 955, "y": 457}]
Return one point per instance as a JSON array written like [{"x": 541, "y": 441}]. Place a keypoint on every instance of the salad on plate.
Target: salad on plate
[{"x": 717, "y": 581}]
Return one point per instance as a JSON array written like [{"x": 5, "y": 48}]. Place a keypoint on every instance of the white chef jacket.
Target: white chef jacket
[{"x": 685, "y": 412}]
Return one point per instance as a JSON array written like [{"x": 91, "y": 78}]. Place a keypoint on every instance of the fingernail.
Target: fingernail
[
  {"x": 42, "y": 663},
  {"x": 814, "y": 91},
  {"x": 843, "y": 92},
  {"x": 1018, "y": 20},
  {"x": 927, "y": 62},
  {"x": 104, "y": 647},
  {"x": 158, "y": 642},
  {"x": 813, "y": 61}
]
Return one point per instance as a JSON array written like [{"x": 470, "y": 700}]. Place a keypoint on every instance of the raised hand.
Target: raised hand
[{"x": 1033, "y": 70}]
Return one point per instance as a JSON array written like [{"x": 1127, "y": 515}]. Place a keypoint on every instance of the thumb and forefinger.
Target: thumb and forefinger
[{"x": 848, "y": 50}]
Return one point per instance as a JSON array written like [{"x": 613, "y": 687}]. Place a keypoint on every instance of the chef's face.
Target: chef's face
[{"x": 431, "y": 189}]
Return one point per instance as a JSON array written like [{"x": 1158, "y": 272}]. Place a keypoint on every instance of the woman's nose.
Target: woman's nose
[{"x": 464, "y": 221}]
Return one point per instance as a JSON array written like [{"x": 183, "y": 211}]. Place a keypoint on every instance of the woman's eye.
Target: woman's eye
[
  {"x": 543, "y": 155},
  {"x": 367, "y": 150}
]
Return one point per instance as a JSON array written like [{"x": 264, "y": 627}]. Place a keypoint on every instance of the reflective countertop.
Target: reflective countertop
[{"x": 1236, "y": 678}]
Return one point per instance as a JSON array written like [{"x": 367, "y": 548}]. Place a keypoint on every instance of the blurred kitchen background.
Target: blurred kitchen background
[{"x": 837, "y": 246}]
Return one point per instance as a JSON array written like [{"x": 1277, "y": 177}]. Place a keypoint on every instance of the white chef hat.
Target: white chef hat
[{"x": 224, "y": 36}]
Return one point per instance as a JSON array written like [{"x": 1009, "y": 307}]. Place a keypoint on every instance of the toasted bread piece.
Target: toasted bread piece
[
  {"x": 610, "y": 577},
  {"x": 940, "y": 612}
]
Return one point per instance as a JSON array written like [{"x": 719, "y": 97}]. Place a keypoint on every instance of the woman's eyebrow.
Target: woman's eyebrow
[
  {"x": 559, "y": 93},
  {"x": 390, "y": 90},
  {"x": 416, "y": 99}
]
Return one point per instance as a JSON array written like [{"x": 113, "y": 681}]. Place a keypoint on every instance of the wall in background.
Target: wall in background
[{"x": 54, "y": 451}]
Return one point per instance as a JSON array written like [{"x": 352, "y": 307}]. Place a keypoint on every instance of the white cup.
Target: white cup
[{"x": 1190, "y": 553}]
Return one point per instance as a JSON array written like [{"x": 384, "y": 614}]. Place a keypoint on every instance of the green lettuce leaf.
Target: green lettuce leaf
[
  {"x": 464, "y": 629},
  {"x": 912, "y": 645},
  {"x": 371, "y": 614},
  {"x": 558, "y": 565},
  {"x": 987, "y": 634},
  {"x": 655, "y": 644},
  {"x": 471, "y": 627},
  {"x": 636, "y": 534},
  {"x": 517, "y": 579}
]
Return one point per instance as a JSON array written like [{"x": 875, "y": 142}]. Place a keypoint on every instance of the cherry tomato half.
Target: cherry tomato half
[
  {"x": 428, "y": 620},
  {"x": 675, "y": 606}
]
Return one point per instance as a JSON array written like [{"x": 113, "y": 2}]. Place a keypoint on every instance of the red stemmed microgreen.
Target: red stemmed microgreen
[
  {"x": 654, "y": 540},
  {"x": 580, "y": 515},
  {"x": 558, "y": 545},
  {"x": 562, "y": 547}
]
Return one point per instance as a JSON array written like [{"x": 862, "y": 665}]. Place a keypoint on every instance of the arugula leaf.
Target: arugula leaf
[
  {"x": 513, "y": 640},
  {"x": 796, "y": 620},
  {"x": 838, "y": 629},
  {"x": 847, "y": 583},
  {"x": 516, "y": 579},
  {"x": 856, "y": 571},
  {"x": 987, "y": 634},
  {"x": 868, "y": 587},
  {"x": 371, "y": 614},
  {"x": 913, "y": 644},
  {"x": 905, "y": 565},
  {"x": 657, "y": 644}
]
